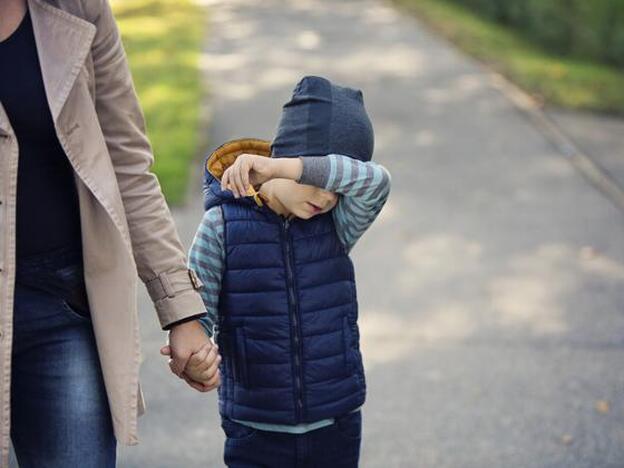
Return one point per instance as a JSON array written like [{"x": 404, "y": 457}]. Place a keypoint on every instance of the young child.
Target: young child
[{"x": 279, "y": 283}]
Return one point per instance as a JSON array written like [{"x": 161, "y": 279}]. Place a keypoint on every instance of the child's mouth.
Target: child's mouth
[{"x": 315, "y": 209}]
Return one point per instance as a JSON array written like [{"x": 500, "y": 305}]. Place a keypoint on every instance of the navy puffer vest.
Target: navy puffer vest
[{"x": 287, "y": 325}]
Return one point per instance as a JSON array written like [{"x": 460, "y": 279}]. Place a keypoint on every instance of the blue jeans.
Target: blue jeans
[
  {"x": 335, "y": 446},
  {"x": 59, "y": 410}
]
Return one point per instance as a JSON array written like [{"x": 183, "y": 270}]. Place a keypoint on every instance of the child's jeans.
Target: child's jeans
[
  {"x": 59, "y": 411},
  {"x": 335, "y": 446}
]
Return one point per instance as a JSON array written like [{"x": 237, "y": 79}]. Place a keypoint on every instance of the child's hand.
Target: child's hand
[
  {"x": 203, "y": 367},
  {"x": 253, "y": 169},
  {"x": 247, "y": 169}
]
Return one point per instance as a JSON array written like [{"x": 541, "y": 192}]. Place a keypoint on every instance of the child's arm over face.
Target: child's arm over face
[
  {"x": 206, "y": 257},
  {"x": 364, "y": 187}
]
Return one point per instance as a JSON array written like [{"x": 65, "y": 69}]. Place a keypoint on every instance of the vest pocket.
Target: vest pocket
[
  {"x": 234, "y": 350},
  {"x": 224, "y": 340},
  {"x": 346, "y": 336},
  {"x": 240, "y": 360}
]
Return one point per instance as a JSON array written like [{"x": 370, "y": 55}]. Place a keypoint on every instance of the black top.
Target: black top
[{"x": 48, "y": 216}]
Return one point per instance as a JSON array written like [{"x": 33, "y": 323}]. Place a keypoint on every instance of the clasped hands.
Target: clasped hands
[{"x": 193, "y": 356}]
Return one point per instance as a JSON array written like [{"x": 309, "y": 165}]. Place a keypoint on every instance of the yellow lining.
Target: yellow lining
[{"x": 225, "y": 155}]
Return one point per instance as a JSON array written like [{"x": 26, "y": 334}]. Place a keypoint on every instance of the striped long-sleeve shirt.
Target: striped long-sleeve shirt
[{"x": 364, "y": 188}]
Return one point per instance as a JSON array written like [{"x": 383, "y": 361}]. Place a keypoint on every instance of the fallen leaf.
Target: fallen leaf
[{"x": 602, "y": 406}]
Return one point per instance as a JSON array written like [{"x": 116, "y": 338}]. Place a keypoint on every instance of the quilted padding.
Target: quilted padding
[{"x": 287, "y": 319}]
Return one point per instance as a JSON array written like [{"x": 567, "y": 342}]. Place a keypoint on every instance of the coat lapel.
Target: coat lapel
[
  {"x": 63, "y": 45},
  {"x": 4, "y": 122},
  {"x": 63, "y": 42}
]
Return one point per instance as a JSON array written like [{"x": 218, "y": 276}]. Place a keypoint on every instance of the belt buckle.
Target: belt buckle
[{"x": 195, "y": 281}]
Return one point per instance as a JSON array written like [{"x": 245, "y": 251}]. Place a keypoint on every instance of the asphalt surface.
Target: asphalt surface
[{"x": 491, "y": 287}]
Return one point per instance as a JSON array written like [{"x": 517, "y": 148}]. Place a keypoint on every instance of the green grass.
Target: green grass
[
  {"x": 163, "y": 41},
  {"x": 563, "y": 81}
]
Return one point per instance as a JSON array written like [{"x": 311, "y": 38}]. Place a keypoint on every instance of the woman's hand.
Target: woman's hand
[{"x": 253, "y": 169}]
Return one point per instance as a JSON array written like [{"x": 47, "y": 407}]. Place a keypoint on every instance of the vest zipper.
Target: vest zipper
[{"x": 294, "y": 321}]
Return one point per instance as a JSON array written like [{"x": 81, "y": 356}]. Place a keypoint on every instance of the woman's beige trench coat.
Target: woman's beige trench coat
[{"x": 126, "y": 225}]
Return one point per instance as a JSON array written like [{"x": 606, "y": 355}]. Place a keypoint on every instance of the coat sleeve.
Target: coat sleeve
[{"x": 158, "y": 252}]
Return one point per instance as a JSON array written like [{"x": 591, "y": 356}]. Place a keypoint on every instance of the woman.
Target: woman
[{"x": 80, "y": 214}]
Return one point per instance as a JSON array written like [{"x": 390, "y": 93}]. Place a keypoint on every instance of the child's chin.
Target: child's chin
[{"x": 306, "y": 215}]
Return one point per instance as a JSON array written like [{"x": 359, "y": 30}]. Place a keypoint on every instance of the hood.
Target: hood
[
  {"x": 222, "y": 158},
  {"x": 323, "y": 118},
  {"x": 320, "y": 118}
]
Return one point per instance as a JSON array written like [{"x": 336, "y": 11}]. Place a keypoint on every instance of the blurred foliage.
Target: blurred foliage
[
  {"x": 163, "y": 41},
  {"x": 566, "y": 80},
  {"x": 585, "y": 28}
]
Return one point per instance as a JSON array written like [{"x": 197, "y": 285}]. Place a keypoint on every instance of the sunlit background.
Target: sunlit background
[{"x": 491, "y": 288}]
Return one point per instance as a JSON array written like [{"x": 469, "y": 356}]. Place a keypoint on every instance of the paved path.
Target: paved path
[
  {"x": 600, "y": 136},
  {"x": 492, "y": 287}
]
